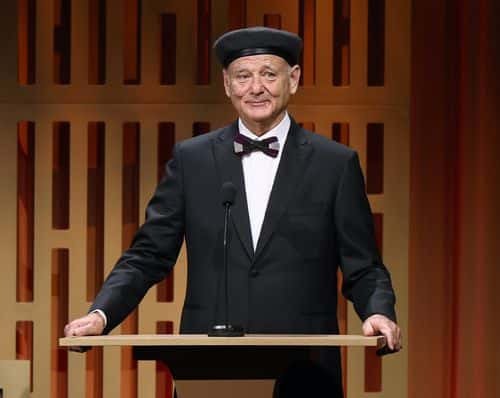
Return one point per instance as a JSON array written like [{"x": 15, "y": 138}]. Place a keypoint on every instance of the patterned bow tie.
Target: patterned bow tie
[{"x": 244, "y": 145}]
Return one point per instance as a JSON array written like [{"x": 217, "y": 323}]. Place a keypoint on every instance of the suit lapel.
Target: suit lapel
[
  {"x": 289, "y": 174},
  {"x": 230, "y": 169}
]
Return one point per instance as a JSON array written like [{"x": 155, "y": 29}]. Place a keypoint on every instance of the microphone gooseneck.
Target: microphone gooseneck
[{"x": 228, "y": 194}]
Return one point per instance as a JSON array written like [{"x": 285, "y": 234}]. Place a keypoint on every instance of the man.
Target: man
[{"x": 300, "y": 210}]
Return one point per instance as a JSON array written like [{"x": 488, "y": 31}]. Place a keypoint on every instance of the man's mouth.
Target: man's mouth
[{"x": 257, "y": 103}]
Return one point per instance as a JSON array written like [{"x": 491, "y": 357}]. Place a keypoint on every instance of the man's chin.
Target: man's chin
[{"x": 258, "y": 116}]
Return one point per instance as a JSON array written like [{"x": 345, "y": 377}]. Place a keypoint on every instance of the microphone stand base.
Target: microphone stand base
[{"x": 226, "y": 331}]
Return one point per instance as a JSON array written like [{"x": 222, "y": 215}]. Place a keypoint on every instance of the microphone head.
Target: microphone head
[{"x": 228, "y": 193}]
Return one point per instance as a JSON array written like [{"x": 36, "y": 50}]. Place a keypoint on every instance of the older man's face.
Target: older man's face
[{"x": 259, "y": 87}]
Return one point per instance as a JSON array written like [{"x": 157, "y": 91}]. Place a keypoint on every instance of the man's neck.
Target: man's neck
[{"x": 260, "y": 129}]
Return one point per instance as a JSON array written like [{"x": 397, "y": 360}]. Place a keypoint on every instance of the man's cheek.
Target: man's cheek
[{"x": 237, "y": 92}]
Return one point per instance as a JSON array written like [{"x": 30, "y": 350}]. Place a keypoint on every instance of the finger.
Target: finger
[
  {"x": 392, "y": 338},
  {"x": 68, "y": 331},
  {"x": 397, "y": 337},
  {"x": 399, "y": 344},
  {"x": 368, "y": 329},
  {"x": 81, "y": 331},
  {"x": 77, "y": 323},
  {"x": 92, "y": 321},
  {"x": 71, "y": 329},
  {"x": 86, "y": 330},
  {"x": 388, "y": 338},
  {"x": 389, "y": 334},
  {"x": 68, "y": 328}
]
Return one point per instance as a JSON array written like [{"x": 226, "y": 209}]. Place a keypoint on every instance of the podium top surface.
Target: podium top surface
[{"x": 204, "y": 340}]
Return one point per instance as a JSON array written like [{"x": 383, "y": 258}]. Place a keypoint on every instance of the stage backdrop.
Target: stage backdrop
[{"x": 94, "y": 95}]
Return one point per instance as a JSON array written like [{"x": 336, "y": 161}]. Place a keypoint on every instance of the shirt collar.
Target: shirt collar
[{"x": 280, "y": 130}]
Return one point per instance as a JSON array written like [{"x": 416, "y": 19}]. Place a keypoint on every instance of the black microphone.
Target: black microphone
[{"x": 228, "y": 193}]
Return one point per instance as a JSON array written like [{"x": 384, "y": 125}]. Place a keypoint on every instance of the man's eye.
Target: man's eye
[
  {"x": 270, "y": 75},
  {"x": 242, "y": 77}
]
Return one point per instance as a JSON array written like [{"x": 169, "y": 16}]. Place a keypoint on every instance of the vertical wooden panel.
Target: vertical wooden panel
[
  {"x": 204, "y": 41},
  {"x": 95, "y": 208},
  {"x": 376, "y": 42},
  {"x": 164, "y": 381},
  {"x": 307, "y": 30},
  {"x": 59, "y": 318},
  {"x": 200, "y": 128},
  {"x": 60, "y": 175},
  {"x": 115, "y": 37},
  {"x": 97, "y": 42},
  {"x": 62, "y": 42},
  {"x": 340, "y": 133},
  {"x": 168, "y": 48},
  {"x": 132, "y": 41},
  {"x": 26, "y": 48},
  {"x": 272, "y": 21},
  {"x": 130, "y": 190},
  {"x": 25, "y": 210},
  {"x": 237, "y": 14},
  {"x": 375, "y": 158},
  {"x": 373, "y": 370},
  {"x": 24, "y": 344},
  {"x": 130, "y": 223},
  {"x": 94, "y": 373},
  {"x": 342, "y": 43},
  {"x": 166, "y": 141}
]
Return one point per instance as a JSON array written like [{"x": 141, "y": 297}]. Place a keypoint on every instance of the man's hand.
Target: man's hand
[
  {"x": 379, "y": 324},
  {"x": 89, "y": 325}
]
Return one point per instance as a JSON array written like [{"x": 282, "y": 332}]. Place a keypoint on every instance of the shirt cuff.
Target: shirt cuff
[{"x": 103, "y": 316}]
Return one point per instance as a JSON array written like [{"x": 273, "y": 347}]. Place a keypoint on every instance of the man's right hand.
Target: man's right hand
[{"x": 89, "y": 325}]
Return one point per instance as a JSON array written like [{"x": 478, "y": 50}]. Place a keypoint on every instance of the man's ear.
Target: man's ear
[
  {"x": 294, "y": 79},
  {"x": 227, "y": 83}
]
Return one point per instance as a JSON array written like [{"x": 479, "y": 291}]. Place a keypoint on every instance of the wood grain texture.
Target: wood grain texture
[{"x": 203, "y": 340}]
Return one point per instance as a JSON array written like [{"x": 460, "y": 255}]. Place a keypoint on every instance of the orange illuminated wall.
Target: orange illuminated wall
[
  {"x": 95, "y": 94},
  {"x": 455, "y": 216}
]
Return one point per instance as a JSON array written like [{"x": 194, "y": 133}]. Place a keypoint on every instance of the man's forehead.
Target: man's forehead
[{"x": 257, "y": 61}]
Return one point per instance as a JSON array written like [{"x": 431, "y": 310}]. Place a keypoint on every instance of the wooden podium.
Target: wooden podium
[{"x": 199, "y": 357}]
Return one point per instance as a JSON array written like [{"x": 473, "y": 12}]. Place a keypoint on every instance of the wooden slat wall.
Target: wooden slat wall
[{"x": 99, "y": 115}]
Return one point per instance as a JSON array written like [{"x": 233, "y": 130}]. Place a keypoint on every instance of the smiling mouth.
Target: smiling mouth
[{"x": 257, "y": 103}]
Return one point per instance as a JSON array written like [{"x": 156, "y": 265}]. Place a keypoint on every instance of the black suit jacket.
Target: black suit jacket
[{"x": 318, "y": 217}]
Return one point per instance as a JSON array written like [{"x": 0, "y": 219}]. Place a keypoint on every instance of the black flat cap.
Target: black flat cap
[{"x": 258, "y": 40}]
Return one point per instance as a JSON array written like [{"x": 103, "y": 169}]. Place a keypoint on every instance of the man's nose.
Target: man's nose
[{"x": 257, "y": 86}]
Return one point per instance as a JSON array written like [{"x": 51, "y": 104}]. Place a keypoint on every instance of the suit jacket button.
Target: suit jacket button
[{"x": 254, "y": 272}]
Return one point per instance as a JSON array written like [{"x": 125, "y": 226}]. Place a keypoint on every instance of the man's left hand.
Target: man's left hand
[{"x": 381, "y": 325}]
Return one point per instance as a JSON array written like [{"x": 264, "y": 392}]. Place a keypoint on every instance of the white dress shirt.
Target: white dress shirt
[{"x": 259, "y": 171}]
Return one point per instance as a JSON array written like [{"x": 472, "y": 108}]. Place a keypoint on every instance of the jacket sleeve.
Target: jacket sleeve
[
  {"x": 366, "y": 281},
  {"x": 153, "y": 251}
]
